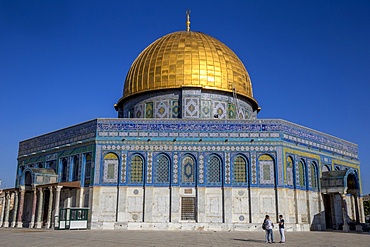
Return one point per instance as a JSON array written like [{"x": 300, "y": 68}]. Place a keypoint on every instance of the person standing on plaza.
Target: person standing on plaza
[
  {"x": 268, "y": 226},
  {"x": 281, "y": 229}
]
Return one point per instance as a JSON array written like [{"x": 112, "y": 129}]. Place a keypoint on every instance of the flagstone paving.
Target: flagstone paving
[{"x": 109, "y": 238}]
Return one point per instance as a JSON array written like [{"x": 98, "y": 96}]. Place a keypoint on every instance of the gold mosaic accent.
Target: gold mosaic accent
[{"x": 187, "y": 59}]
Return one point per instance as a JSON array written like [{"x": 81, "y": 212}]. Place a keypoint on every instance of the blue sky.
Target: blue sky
[{"x": 64, "y": 62}]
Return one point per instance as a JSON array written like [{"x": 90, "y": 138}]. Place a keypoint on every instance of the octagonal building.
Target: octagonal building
[{"x": 186, "y": 152}]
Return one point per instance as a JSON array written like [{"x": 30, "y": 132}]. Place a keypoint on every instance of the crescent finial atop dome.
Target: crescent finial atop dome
[{"x": 188, "y": 20}]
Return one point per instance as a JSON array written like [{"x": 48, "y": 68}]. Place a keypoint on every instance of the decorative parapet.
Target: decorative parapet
[
  {"x": 81, "y": 132},
  {"x": 239, "y": 130},
  {"x": 236, "y": 130}
]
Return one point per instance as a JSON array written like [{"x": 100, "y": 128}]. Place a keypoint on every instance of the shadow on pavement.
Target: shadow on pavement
[{"x": 249, "y": 240}]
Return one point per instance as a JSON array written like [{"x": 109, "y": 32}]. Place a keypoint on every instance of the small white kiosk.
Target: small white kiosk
[{"x": 73, "y": 218}]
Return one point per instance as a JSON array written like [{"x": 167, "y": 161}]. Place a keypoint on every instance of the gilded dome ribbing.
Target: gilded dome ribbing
[{"x": 187, "y": 59}]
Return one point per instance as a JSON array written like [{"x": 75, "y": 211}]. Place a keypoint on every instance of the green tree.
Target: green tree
[{"x": 367, "y": 208}]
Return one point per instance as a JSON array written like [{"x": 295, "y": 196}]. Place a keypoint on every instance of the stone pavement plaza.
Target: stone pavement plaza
[{"x": 107, "y": 238}]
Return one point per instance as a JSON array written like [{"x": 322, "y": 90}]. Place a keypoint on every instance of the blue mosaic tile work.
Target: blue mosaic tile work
[
  {"x": 175, "y": 108},
  {"x": 81, "y": 132},
  {"x": 198, "y": 138},
  {"x": 279, "y": 129},
  {"x": 191, "y": 107},
  {"x": 195, "y": 103},
  {"x": 123, "y": 169},
  {"x": 162, "y": 109},
  {"x": 175, "y": 179},
  {"x": 206, "y": 109},
  {"x": 149, "y": 174}
]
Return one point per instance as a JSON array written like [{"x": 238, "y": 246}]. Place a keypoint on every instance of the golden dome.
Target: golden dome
[{"x": 188, "y": 59}]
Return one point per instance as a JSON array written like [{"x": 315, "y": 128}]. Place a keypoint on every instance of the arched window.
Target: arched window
[
  {"x": 188, "y": 170},
  {"x": 214, "y": 170},
  {"x": 76, "y": 167},
  {"x": 87, "y": 168},
  {"x": 288, "y": 176},
  {"x": 162, "y": 169},
  {"x": 301, "y": 174},
  {"x": 51, "y": 164},
  {"x": 136, "y": 175},
  {"x": 240, "y": 170},
  {"x": 325, "y": 168},
  {"x": 313, "y": 171},
  {"x": 28, "y": 179},
  {"x": 352, "y": 181},
  {"x": 266, "y": 166},
  {"x": 110, "y": 167},
  {"x": 64, "y": 170}
]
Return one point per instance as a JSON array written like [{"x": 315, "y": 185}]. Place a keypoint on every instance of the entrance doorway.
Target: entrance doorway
[{"x": 327, "y": 206}]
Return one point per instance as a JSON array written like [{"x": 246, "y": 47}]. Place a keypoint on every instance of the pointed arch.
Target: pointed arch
[
  {"x": 240, "y": 169},
  {"x": 64, "y": 170},
  {"x": 313, "y": 175},
  {"x": 28, "y": 178},
  {"x": 266, "y": 166},
  {"x": 88, "y": 168},
  {"x": 351, "y": 180},
  {"x": 214, "y": 170},
  {"x": 137, "y": 169},
  {"x": 188, "y": 169},
  {"x": 110, "y": 164},
  {"x": 301, "y": 174},
  {"x": 162, "y": 169},
  {"x": 76, "y": 167},
  {"x": 288, "y": 173}
]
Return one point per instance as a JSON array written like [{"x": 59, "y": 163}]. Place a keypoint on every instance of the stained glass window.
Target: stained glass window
[
  {"x": 301, "y": 174},
  {"x": 28, "y": 179},
  {"x": 76, "y": 166},
  {"x": 64, "y": 170},
  {"x": 162, "y": 169},
  {"x": 266, "y": 166},
  {"x": 313, "y": 175},
  {"x": 288, "y": 176},
  {"x": 214, "y": 170},
  {"x": 110, "y": 167},
  {"x": 87, "y": 168},
  {"x": 188, "y": 170},
  {"x": 137, "y": 169},
  {"x": 240, "y": 170}
]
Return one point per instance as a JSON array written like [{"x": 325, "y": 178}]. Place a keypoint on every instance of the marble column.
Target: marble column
[
  {"x": 2, "y": 200},
  {"x": 68, "y": 204},
  {"x": 81, "y": 197},
  {"x": 358, "y": 226},
  {"x": 15, "y": 209},
  {"x": 50, "y": 207},
  {"x": 40, "y": 207},
  {"x": 344, "y": 213},
  {"x": 69, "y": 199},
  {"x": 7, "y": 209},
  {"x": 20, "y": 210},
  {"x": 56, "y": 206},
  {"x": 33, "y": 211}
]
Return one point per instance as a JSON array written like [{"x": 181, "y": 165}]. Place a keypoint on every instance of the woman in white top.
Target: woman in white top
[{"x": 268, "y": 229}]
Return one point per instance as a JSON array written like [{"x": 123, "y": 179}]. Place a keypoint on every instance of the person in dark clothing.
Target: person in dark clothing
[{"x": 281, "y": 229}]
